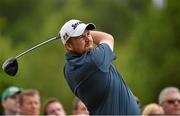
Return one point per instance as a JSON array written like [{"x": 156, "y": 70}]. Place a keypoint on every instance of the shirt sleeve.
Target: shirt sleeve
[{"x": 102, "y": 56}]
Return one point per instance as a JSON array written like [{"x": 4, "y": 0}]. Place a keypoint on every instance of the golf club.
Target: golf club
[{"x": 10, "y": 66}]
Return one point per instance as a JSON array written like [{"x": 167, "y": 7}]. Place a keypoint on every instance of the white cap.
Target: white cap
[{"x": 74, "y": 28}]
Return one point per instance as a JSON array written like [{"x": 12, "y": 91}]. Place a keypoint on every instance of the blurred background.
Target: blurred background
[{"x": 147, "y": 43}]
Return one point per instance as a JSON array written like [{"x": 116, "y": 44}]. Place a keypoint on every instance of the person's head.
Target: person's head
[
  {"x": 79, "y": 107},
  {"x": 29, "y": 101},
  {"x": 76, "y": 37},
  {"x": 169, "y": 99},
  {"x": 9, "y": 100},
  {"x": 54, "y": 107},
  {"x": 153, "y": 109}
]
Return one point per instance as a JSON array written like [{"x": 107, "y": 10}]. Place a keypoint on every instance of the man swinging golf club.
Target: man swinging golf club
[{"x": 90, "y": 73}]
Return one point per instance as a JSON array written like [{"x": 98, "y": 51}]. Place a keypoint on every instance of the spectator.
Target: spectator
[
  {"x": 54, "y": 107},
  {"x": 169, "y": 99},
  {"x": 9, "y": 100},
  {"x": 153, "y": 109},
  {"x": 29, "y": 101},
  {"x": 79, "y": 108}
]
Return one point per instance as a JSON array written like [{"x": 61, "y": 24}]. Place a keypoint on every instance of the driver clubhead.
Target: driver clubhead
[{"x": 10, "y": 66}]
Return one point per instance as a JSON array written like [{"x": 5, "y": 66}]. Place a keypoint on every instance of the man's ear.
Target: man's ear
[{"x": 68, "y": 46}]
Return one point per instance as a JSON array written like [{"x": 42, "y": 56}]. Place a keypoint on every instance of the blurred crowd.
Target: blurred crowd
[
  {"x": 168, "y": 103},
  {"x": 18, "y": 101}
]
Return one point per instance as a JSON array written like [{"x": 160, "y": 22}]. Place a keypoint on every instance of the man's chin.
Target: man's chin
[{"x": 88, "y": 49}]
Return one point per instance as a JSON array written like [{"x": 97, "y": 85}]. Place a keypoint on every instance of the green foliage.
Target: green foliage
[{"x": 152, "y": 60}]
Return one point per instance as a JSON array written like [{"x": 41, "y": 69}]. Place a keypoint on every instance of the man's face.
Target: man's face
[
  {"x": 55, "y": 108},
  {"x": 30, "y": 105},
  {"x": 11, "y": 105},
  {"x": 81, "y": 109},
  {"x": 172, "y": 103},
  {"x": 81, "y": 44}
]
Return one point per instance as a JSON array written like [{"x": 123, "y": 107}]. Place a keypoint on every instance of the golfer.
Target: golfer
[{"x": 90, "y": 73}]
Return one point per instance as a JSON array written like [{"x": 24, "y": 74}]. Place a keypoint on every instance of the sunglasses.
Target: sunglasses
[{"x": 173, "y": 101}]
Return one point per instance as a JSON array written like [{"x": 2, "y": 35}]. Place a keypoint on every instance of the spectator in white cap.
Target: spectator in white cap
[{"x": 9, "y": 100}]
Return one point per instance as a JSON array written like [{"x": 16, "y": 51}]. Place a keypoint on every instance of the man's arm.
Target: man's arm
[{"x": 102, "y": 37}]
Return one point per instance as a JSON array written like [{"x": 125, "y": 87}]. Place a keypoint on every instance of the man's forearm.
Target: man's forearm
[{"x": 102, "y": 37}]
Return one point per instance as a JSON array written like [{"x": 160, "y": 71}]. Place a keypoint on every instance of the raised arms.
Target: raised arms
[{"x": 102, "y": 37}]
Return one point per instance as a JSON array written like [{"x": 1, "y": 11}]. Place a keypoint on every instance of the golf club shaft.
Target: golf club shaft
[{"x": 25, "y": 52}]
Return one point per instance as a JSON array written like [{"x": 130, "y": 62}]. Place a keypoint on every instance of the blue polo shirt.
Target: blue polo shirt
[{"x": 94, "y": 79}]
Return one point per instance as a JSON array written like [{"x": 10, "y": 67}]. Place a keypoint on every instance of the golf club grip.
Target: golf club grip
[{"x": 23, "y": 53}]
